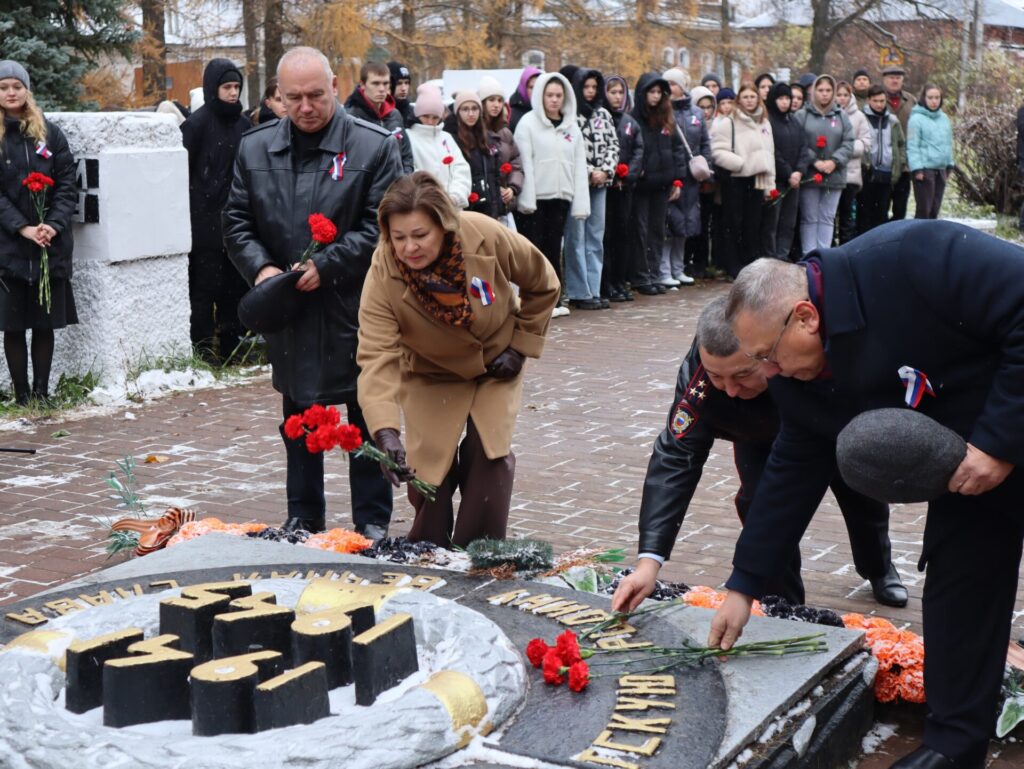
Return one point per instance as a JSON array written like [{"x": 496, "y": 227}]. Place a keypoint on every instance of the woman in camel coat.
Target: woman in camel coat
[{"x": 443, "y": 336}]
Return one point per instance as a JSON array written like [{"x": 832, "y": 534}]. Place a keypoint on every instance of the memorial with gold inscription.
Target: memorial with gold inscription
[{"x": 339, "y": 660}]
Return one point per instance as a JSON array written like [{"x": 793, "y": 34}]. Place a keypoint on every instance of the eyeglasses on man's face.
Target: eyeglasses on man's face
[{"x": 770, "y": 356}]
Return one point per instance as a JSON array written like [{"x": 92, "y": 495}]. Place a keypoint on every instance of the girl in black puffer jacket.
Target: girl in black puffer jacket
[
  {"x": 31, "y": 143},
  {"x": 780, "y": 217},
  {"x": 660, "y": 177},
  {"x": 619, "y": 240}
]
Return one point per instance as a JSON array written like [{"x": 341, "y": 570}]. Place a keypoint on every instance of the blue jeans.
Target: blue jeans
[
  {"x": 817, "y": 217},
  {"x": 584, "y": 249}
]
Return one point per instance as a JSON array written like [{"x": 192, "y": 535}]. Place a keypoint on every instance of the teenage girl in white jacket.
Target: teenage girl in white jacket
[{"x": 436, "y": 151}]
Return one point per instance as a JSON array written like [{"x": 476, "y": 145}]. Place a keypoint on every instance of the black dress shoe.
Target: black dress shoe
[
  {"x": 924, "y": 758},
  {"x": 605, "y": 303},
  {"x": 372, "y": 531},
  {"x": 312, "y": 525},
  {"x": 647, "y": 290},
  {"x": 660, "y": 289},
  {"x": 585, "y": 304},
  {"x": 617, "y": 296},
  {"x": 889, "y": 590}
]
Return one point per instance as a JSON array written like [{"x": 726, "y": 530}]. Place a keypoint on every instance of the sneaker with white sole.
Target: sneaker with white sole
[
  {"x": 684, "y": 279},
  {"x": 559, "y": 312},
  {"x": 668, "y": 282}
]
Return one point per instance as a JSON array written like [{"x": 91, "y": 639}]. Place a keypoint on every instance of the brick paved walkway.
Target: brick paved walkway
[{"x": 591, "y": 409}]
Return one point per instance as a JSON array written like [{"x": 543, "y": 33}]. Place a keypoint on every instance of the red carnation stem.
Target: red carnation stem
[{"x": 37, "y": 184}]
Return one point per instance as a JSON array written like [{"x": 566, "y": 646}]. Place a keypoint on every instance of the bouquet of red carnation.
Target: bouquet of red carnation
[
  {"x": 565, "y": 657},
  {"x": 774, "y": 196},
  {"x": 677, "y": 183},
  {"x": 323, "y": 430},
  {"x": 37, "y": 184},
  {"x": 323, "y": 233}
]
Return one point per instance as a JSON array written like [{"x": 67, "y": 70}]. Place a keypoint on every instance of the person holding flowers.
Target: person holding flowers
[
  {"x": 503, "y": 143},
  {"x": 779, "y": 220},
  {"x": 619, "y": 240},
  {"x": 316, "y": 160},
  {"x": 434, "y": 150},
  {"x": 38, "y": 196},
  {"x": 467, "y": 126},
  {"x": 443, "y": 336},
  {"x": 830, "y": 140}
]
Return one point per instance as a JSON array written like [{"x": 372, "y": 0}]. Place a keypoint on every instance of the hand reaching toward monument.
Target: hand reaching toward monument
[
  {"x": 390, "y": 442},
  {"x": 978, "y": 473},
  {"x": 730, "y": 619},
  {"x": 634, "y": 588}
]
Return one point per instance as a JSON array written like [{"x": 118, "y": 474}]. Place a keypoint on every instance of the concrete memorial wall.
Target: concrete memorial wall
[{"x": 132, "y": 238}]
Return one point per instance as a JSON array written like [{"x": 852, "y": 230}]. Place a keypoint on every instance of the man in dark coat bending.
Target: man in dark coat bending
[
  {"x": 721, "y": 393},
  {"x": 317, "y": 159},
  {"x": 925, "y": 315}
]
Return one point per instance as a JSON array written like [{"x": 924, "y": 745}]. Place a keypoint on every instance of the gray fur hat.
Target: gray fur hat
[
  {"x": 898, "y": 455},
  {"x": 9, "y": 69}
]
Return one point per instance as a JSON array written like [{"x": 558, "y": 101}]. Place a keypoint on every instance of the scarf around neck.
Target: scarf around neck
[{"x": 444, "y": 278}]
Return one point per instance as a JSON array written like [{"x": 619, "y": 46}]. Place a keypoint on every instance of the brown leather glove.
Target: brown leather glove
[
  {"x": 390, "y": 442},
  {"x": 506, "y": 365}
]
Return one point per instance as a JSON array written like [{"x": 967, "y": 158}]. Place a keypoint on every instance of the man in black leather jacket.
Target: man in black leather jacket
[
  {"x": 317, "y": 159},
  {"x": 721, "y": 393}
]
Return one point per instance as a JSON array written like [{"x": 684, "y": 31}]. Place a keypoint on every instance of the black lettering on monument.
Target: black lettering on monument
[
  {"x": 150, "y": 685},
  {"x": 296, "y": 697},
  {"x": 325, "y": 636},
  {"x": 223, "y": 690},
  {"x": 84, "y": 667},
  {"x": 383, "y": 656},
  {"x": 190, "y": 617},
  {"x": 254, "y": 623}
]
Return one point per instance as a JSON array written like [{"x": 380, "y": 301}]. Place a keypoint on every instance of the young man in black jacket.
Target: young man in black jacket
[
  {"x": 721, "y": 393},
  {"x": 372, "y": 101}
]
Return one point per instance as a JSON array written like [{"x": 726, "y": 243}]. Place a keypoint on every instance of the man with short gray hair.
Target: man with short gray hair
[
  {"x": 923, "y": 315},
  {"x": 721, "y": 393},
  {"x": 317, "y": 159}
]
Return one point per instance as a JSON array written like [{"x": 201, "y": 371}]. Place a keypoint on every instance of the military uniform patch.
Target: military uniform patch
[{"x": 683, "y": 420}]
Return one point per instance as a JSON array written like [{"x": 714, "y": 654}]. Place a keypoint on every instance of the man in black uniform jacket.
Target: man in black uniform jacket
[
  {"x": 928, "y": 315},
  {"x": 721, "y": 393}
]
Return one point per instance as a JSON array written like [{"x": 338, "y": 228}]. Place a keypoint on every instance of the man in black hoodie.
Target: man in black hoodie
[
  {"x": 372, "y": 102},
  {"x": 211, "y": 136},
  {"x": 401, "y": 85}
]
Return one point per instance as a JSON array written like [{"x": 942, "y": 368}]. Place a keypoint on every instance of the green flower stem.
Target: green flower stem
[
  {"x": 369, "y": 451},
  {"x": 621, "y": 616}
]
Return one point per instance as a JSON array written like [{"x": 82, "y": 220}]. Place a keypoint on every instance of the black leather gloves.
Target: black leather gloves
[
  {"x": 390, "y": 442},
  {"x": 506, "y": 365}
]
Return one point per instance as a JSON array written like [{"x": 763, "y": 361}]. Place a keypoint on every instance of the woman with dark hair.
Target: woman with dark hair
[
  {"x": 452, "y": 306},
  {"x": 797, "y": 97},
  {"x": 485, "y": 195},
  {"x": 503, "y": 144},
  {"x": 744, "y": 149},
  {"x": 619, "y": 239},
  {"x": 763, "y": 83},
  {"x": 929, "y": 151},
  {"x": 29, "y": 143},
  {"x": 847, "y": 213},
  {"x": 660, "y": 178},
  {"x": 271, "y": 105},
  {"x": 780, "y": 217}
]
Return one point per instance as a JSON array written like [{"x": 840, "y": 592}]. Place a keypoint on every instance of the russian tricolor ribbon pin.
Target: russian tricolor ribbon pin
[
  {"x": 43, "y": 151},
  {"x": 917, "y": 385},
  {"x": 481, "y": 289},
  {"x": 338, "y": 166}
]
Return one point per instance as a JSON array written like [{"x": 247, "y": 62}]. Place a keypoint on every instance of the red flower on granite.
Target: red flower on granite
[
  {"x": 821, "y": 143},
  {"x": 579, "y": 676},
  {"x": 536, "y": 651},
  {"x": 568, "y": 647},
  {"x": 622, "y": 170},
  {"x": 554, "y": 669}
]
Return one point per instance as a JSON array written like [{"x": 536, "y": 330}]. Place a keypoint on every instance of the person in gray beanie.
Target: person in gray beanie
[
  {"x": 712, "y": 82},
  {"x": 33, "y": 299}
]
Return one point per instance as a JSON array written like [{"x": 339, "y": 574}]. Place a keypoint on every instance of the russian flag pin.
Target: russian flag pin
[
  {"x": 481, "y": 289},
  {"x": 338, "y": 166},
  {"x": 43, "y": 151},
  {"x": 917, "y": 385}
]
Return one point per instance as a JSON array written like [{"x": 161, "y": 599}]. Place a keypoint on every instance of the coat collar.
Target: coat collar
[
  {"x": 333, "y": 140},
  {"x": 841, "y": 295}
]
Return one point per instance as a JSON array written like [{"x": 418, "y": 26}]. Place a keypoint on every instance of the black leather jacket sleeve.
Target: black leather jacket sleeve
[{"x": 675, "y": 468}]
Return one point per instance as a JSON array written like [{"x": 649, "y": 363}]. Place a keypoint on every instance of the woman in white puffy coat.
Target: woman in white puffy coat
[
  {"x": 854, "y": 176},
  {"x": 556, "y": 183},
  {"x": 743, "y": 149},
  {"x": 435, "y": 151}
]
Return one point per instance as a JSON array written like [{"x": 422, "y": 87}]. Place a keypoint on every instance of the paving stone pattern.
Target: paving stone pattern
[{"x": 592, "y": 407}]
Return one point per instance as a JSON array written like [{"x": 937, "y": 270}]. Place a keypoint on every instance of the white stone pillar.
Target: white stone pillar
[{"x": 132, "y": 238}]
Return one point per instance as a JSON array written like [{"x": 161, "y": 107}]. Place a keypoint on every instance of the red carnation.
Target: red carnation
[
  {"x": 821, "y": 143},
  {"x": 315, "y": 415},
  {"x": 473, "y": 197},
  {"x": 348, "y": 437},
  {"x": 774, "y": 194},
  {"x": 332, "y": 416},
  {"x": 506, "y": 168},
  {"x": 536, "y": 650},
  {"x": 677, "y": 184},
  {"x": 37, "y": 182},
  {"x": 818, "y": 178},
  {"x": 568, "y": 647},
  {"x": 447, "y": 160},
  {"x": 322, "y": 228},
  {"x": 313, "y": 442},
  {"x": 579, "y": 676},
  {"x": 622, "y": 170},
  {"x": 554, "y": 669},
  {"x": 293, "y": 427}
]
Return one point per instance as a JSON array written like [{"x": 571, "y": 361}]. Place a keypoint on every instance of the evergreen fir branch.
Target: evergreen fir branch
[{"x": 524, "y": 554}]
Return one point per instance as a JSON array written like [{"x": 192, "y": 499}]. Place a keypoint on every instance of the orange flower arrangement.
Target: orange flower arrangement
[
  {"x": 337, "y": 540},
  {"x": 708, "y": 598},
  {"x": 900, "y": 655}
]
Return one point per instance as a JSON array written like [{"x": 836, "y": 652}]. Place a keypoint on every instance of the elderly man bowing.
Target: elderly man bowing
[
  {"x": 317, "y": 159},
  {"x": 923, "y": 315}
]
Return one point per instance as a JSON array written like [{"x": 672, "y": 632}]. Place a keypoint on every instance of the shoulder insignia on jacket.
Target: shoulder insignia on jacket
[
  {"x": 683, "y": 420},
  {"x": 372, "y": 126}
]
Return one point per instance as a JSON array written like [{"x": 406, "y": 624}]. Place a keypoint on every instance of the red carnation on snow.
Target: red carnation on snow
[
  {"x": 579, "y": 676},
  {"x": 536, "y": 650},
  {"x": 447, "y": 160},
  {"x": 821, "y": 142},
  {"x": 621, "y": 170}
]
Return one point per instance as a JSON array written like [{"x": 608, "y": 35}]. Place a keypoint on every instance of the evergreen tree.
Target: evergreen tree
[{"x": 57, "y": 41}]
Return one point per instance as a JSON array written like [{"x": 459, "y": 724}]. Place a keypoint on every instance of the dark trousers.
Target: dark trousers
[
  {"x": 698, "y": 248},
  {"x": 486, "y": 489},
  {"x": 742, "y": 206},
  {"x": 619, "y": 239},
  {"x": 900, "y": 196},
  {"x": 973, "y": 551},
  {"x": 544, "y": 229},
  {"x": 214, "y": 289},
  {"x": 873, "y": 205},
  {"x": 846, "y": 215},
  {"x": 867, "y": 523},
  {"x": 649, "y": 210},
  {"x": 928, "y": 193},
  {"x": 371, "y": 491}
]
